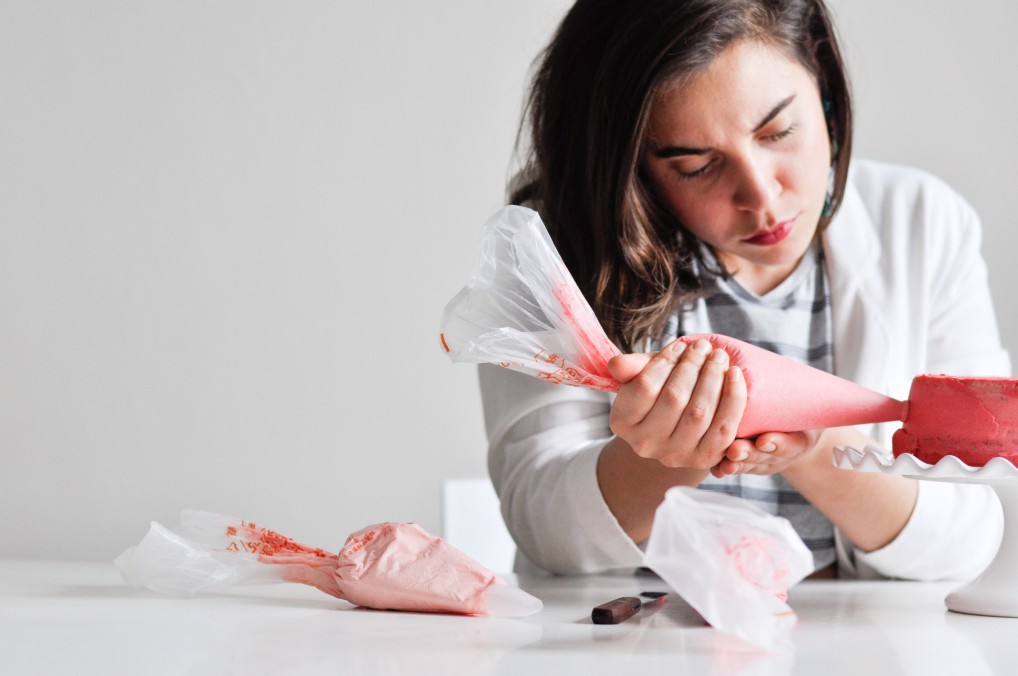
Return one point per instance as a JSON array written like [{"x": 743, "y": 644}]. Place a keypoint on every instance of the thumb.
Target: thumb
[{"x": 625, "y": 367}]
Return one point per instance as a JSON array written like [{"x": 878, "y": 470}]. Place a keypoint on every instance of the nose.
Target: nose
[{"x": 756, "y": 186}]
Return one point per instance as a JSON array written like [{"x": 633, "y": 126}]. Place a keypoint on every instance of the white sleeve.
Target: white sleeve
[
  {"x": 955, "y": 528},
  {"x": 953, "y": 534},
  {"x": 962, "y": 334},
  {"x": 544, "y": 444}
]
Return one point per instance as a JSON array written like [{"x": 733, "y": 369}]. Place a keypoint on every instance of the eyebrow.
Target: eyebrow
[{"x": 677, "y": 151}]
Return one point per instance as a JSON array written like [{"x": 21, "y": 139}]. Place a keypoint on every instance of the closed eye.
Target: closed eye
[
  {"x": 781, "y": 134},
  {"x": 686, "y": 175}
]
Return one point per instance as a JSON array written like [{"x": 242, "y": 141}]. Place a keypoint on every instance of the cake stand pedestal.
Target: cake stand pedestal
[{"x": 995, "y": 591}]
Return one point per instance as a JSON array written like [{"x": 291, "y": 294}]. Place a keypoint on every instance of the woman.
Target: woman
[{"x": 692, "y": 163}]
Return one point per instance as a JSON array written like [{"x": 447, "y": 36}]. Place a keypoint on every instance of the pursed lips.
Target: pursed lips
[{"x": 773, "y": 235}]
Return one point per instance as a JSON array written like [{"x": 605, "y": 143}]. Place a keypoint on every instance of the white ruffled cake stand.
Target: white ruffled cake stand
[{"x": 995, "y": 591}]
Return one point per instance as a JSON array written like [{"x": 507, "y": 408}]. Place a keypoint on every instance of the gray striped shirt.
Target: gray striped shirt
[{"x": 793, "y": 320}]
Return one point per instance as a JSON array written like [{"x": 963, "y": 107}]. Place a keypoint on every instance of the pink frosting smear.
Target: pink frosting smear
[
  {"x": 760, "y": 561},
  {"x": 596, "y": 349},
  {"x": 788, "y": 396},
  {"x": 299, "y": 563}
]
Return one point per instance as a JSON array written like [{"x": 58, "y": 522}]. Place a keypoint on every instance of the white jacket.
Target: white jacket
[{"x": 909, "y": 295}]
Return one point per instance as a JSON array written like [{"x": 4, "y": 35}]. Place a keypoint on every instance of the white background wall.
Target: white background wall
[{"x": 228, "y": 229}]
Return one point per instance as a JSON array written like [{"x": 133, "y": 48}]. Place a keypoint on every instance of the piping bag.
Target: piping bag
[
  {"x": 388, "y": 566},
  {"x": 731, "y": 561},
  {"x": 787, "y": 396},
  {"x": 522, "y": 310}
]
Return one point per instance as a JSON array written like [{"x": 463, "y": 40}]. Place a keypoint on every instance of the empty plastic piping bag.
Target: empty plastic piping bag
[{"x": 730, "y": 560}]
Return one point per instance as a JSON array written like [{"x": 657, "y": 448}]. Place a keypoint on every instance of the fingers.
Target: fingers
[
  {"x": 688, "y": 392},
  {"x": 725, "y": 468},
  {"x": 737, "y": 453},
  {"x": 683, "y": 406},
  {"x": 699, "y": 405},
  {"x": 725, "y": 423},
  {"x": 787, "y": 445},
  {"x": 768, "y": 443},
  {"x": 638, "y": 396},
  {"x": 770, "y": 453},
  {"x": 625, "y": 367}
]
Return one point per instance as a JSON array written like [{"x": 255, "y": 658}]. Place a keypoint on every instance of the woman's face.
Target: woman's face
[{"x": 740, "y": 154}]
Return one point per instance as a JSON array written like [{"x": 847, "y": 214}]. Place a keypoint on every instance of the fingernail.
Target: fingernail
[
  {"x": 734, "y": 374},
  {"x": 719, "y": 356},
  {"x": 677, "y": 347},
  {"x": 769, "y": 447},
  {"x": 702, "y": 346}
]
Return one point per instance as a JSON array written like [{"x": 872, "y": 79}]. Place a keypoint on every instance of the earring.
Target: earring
[
  {"x": 830, "y": 128},
  {"x": 829, "y": 198}
]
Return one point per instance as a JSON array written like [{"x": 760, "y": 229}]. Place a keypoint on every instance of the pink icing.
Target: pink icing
[
  {"x": 761, "y": 562},
  {"x": 974, "y": 419},
  {"x": 299, "y": 563},
  {"x": 591, "y": 368},
  {"x": 787, "y": 396},
  {"x": 400, "y": 566}
]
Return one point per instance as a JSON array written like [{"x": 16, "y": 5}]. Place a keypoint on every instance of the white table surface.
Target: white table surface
[{"x": 78, "y": 618}]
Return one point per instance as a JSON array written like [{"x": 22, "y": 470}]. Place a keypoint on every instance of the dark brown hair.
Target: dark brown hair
[{"x": 588, "y": 111}]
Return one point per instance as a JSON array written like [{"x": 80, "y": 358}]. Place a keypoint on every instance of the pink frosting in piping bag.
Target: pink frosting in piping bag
[
  {"x": 388, "y": 566},
  {"x": 403, "y": 567},
  {"x": 788, "y": 396},
  {"x": 784, "y": 395}
]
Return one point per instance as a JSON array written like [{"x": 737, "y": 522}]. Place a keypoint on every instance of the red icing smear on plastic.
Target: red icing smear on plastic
[
  {"x": 267, "y": 543},
  {"x": 566, "y": 373},
  {"x": 296, "y": 562},
  {"x": 758, "y": 560},
  {"x": 598, "y": 349}
]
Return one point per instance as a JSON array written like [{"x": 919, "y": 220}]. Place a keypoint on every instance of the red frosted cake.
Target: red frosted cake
[{"x": 973, "y": 419}]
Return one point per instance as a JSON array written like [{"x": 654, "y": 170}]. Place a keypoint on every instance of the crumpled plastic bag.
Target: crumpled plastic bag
[
  {"x": 523, "y": 311},
  {"x": 731, "y": 561},
  {"x": 389, "y": 566}
]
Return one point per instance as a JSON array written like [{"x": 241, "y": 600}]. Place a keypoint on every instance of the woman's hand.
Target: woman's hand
[
  {"x": 681, "y": 406},
  {"x": 770, "y": 453}
]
